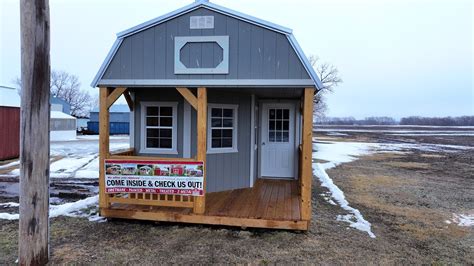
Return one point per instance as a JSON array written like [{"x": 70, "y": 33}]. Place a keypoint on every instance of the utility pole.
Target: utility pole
[{"x": 33, "y": 246}]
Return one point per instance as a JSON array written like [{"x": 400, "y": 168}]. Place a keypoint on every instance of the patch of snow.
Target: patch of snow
[
  {"x": 55, "y": 200},
  {"x": 8, "y": 165},
  {"x": 97, "y": 218},
  {"x": 91, "y": 170},
  {"x": 340, "y": 152},
  {"x": 9, "y": 216},
  {"x": 448, "y": 221},
  {"x": 9, "y": 204},
  {"x": 335, "y": 153},
  {"x": 96, "y": 137},
  {"x": 336, "y": 134},
  {"x": 66, "y": 167},
  {"x": 354, "y": 218},
  {"x": 432, "y": 134},
  {"x": 464, "y": 219},
  {"x": 72, "y": 209},
  {"x": 327, "y": 198},
  {"x": 80, "y": 157},
  {"x": 15, "y": 172}
]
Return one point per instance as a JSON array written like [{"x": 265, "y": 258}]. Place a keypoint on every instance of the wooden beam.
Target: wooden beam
[
  {"x": 164, "y": 216},
  {"x": 306, "y": 168},
  {"x": 103, "y": 144},
  {"x": 199, "y": 202},
  {"x": 33, "y": 237},
  {"x": 129, "y": 100},
  {"x": 189, "y": 96},
  {"x": 112, "y": 97}
]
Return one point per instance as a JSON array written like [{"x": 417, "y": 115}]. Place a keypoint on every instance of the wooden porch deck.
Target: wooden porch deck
[{"x": 269, "y": 204}]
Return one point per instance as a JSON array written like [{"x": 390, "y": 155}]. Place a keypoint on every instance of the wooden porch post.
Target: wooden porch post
[
  {"x": 200, "y": 202},
  {"x": 306, "y": 171},
  {"x": 103, "y": 145}
]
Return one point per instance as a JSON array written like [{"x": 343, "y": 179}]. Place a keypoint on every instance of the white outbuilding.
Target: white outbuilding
[{"x": 62, "y": 126}]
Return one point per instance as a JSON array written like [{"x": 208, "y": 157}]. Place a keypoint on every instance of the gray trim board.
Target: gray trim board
[{"x": 207, "y": 82}]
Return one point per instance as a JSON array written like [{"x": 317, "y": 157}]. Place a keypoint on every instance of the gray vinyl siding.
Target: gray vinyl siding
[
  {"x": 254, "y": 52},
  {"x": 231, "y": 170},
  {"x": 225, "y": 171}
]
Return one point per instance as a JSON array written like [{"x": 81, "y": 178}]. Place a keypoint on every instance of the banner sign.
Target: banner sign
[{"x": 157, "y": 177}]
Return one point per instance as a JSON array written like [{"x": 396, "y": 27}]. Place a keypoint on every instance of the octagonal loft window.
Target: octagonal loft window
[{"x": 201, "y": 55}]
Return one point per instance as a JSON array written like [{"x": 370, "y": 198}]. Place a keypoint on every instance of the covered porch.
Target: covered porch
[
  {"x": 279, "y": 204},
  {"x": 269, "y": 204}
]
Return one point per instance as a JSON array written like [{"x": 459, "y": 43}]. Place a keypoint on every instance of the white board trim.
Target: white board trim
[
  {"x": 252, "y": 140},
  {"x": 186, "y": 130}
]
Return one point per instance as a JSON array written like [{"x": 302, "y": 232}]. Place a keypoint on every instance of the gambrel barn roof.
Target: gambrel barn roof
[{"x": 257, "y": 53}]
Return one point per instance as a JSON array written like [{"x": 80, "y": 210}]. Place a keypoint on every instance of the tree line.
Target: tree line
[
  {"x": 67, "y": 87},
  {"x": 410, "y": 120}
]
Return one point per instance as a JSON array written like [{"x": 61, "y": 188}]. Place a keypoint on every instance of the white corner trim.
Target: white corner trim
[
  {"x": 252, "y": 140},
  {"x": 131, "y": 127},
  {"x": 174, "y": 142},
  {"x": 235, "y": 129},
  {"x": 186, "y": 130},
  {"x": 298, "y": 130}
]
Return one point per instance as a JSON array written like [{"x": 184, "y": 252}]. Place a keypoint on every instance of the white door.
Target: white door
[{"x": 278, "y": 140}]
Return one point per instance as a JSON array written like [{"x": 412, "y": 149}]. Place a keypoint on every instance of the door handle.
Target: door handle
[{"x": 263, "y": 143}]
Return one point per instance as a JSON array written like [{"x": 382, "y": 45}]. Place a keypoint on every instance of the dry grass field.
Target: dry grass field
[{"x": 412, "y": 200}]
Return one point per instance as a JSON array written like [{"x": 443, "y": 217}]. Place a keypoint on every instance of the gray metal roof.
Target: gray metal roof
[{"x": 217, "y": 8}]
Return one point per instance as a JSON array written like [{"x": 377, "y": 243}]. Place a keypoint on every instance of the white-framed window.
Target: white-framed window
[
  {"x": 222, "y": 128},
  {"x": 159, "y": 127}
]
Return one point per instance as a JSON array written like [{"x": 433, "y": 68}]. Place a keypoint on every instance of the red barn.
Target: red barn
[
  {"x": 9, "y": 123},
  {"x": 177, "y": 170}
]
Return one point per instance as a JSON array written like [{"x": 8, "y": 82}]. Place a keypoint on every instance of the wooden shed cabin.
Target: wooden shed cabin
[
  {"x": 221, "y": 121},
  {"x": 9, "y": 123}
]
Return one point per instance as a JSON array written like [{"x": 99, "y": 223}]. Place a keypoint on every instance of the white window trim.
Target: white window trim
[
  {"x": 211, "y": 150},
  {"x": 174, "y": 142},
  {"x": 181, "y": 41}
]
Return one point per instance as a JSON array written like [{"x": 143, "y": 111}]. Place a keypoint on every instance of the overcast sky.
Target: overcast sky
[{"x": 397, "y": 58}]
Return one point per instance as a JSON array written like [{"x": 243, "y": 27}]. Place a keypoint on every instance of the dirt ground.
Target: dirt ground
[{"x": 407, "y": 198}]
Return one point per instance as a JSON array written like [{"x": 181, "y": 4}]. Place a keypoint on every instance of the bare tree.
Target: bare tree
[
  {"x": 67, "y": 87},
  {"x": 329, "y": 75}
]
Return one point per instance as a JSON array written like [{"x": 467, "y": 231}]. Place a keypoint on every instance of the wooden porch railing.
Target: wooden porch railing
[
  {"x": 127, "y": 152},
  {"x": 149, "y": 199}
]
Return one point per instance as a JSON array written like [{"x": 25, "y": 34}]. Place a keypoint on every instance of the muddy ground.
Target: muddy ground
[{"x": 407, "y": 198}]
